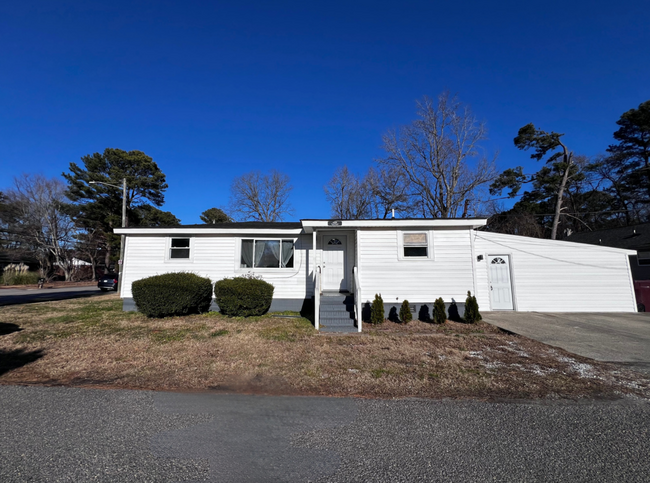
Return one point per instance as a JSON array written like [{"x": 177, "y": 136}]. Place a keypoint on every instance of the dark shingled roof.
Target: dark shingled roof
[{"x": 633, "y": 237}]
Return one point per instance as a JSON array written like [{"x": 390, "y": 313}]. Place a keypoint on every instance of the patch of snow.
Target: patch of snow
[
  {"x": 583, "y": 370},
  {"x": 514, "y": 349},
  {"x": 540, "y": 371}
]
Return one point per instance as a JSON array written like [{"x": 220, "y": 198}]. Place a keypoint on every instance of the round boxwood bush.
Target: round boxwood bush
[
  {"x": 171, "y": 294},
  {"x": 243, "y": 296}
]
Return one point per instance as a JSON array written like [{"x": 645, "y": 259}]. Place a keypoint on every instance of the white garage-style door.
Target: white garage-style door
[
  {"x": 500, "y": 283},
  {"x": 333, "y": 269}
]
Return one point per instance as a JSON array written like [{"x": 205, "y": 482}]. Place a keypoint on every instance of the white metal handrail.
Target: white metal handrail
[
  {"x": 357, "y": 298},
  {"x": 317, "y": 298}
]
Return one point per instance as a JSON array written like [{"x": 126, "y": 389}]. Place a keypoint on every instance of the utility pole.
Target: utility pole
[{"x": 120, "y": 262}]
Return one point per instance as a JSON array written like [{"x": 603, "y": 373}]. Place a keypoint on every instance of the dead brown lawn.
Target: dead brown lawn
[{"x": 92, "y": 342}]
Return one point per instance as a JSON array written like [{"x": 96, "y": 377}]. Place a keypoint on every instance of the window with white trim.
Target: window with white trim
[
  {"x": 415, "y": 244},
  {"x": 179, "y": 248},
  {"x": 265, "y": 253}
]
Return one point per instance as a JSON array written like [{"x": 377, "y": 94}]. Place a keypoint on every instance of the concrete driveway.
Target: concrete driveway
[{"x": 610, "y": 337}]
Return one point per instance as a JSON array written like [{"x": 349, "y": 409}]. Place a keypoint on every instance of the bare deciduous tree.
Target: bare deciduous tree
[
  {"x": 43, "y": 221},
  {"x": 348, "y": 196},
  {"x": 261, "y": 197},
  {"x": 373, "y": 196},
  {"x": 390, "y": 191},
  {"x": 440, "y": 155}
]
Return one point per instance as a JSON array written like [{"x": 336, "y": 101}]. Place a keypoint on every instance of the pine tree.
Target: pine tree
[
  {"x": 439, "y": 311},
  {"x": 377, "y": 310},
  {"x": 405, "y": 315},
  {"x": 471, "y": 315}
]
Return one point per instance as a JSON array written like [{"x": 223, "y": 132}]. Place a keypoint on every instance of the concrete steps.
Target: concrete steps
[{"x": 337, "y": 312}]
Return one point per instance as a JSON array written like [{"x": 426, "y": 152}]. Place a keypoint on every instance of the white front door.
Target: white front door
[
  {"x": 500, "y": 285},
  {"x": 333, "y": 271}
]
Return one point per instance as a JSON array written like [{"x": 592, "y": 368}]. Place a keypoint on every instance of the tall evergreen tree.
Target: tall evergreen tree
[
  {"x": 628, "y": 165},
  {"x": 100, "y": 206}
]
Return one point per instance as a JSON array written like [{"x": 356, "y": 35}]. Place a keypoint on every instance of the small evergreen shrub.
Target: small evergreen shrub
[
  {"x": 170, "y": 294},
  {"x": 439, "y": 311},
  {"x": 377, "y": 310},
  {"x": 471, "y": 314},
  {"x": 405, "y": 315},
  {"x": 243, "y": 296},
  {"x": 424, "y": 315}
]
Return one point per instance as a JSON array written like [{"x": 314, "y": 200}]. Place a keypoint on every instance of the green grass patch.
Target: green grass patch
[
  {"x": 164, "y": 336},
  {"x": 219, "y": 333},
  {"x": 287, "y": 330},
  {"x": 28, "y": 337},
  {"x": 377, "y": 373}
]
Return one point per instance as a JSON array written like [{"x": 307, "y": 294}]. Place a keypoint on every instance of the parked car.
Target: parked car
[{"x": 108, "y": 282}]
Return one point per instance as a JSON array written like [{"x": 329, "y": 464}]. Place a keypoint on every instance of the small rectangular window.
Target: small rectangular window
[
  {"x": 643, "y": 257},
  {"x": 416, "y": 245},
  {"x": 180, "y": 248},
  {"x": 267, "y": 254}
]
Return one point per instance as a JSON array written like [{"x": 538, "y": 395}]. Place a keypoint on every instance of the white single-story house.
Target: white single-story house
[{"x": 414, "y": 259}]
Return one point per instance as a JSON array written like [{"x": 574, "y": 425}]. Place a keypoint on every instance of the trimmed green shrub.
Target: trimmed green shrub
[
  {"x": 439, "y": 311},
  {"x": 471, "y": 314},
  {"x": 243, "y": 296},
  {"x": 405, "y": 315},
  {"x": 377, "y": 314},
  {"x": 179, "y": 293}
]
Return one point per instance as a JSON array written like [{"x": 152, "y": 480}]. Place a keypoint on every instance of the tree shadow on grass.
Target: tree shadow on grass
[
  {"x": 14, "y": 359},
  {"x": 7, "y": 328}
]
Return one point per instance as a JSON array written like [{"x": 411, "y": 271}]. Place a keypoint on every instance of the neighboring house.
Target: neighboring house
[
  {"x": 418, "y": 260},
  {"x": 633, "y": 237}
]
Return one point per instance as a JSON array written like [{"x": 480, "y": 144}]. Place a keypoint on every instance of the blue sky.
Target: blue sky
[{"x": 212, "y": 90}]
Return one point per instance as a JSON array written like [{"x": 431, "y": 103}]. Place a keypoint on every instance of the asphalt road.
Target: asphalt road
[
  {"x": 623, "y": 338},
  {"x": 9, "y": 296},
  {"x": 60, "y": 434}
]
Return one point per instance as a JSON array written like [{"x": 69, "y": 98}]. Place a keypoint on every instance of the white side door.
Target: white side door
[
  {"x": 333, "y": 271},
  {"x": 500, "y": 283}
]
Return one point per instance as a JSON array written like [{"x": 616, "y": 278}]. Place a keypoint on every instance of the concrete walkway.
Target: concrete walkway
[{"x": 610, "y": 337}]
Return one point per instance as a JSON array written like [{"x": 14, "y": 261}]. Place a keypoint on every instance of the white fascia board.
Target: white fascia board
[
  {"x": 311, "y": 225},
  {"x": 206, "y": 231},
  {"x": 490, "y": 236}
]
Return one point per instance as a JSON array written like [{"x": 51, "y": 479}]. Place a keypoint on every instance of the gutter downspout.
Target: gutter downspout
[{"x": 316, "y": 283}]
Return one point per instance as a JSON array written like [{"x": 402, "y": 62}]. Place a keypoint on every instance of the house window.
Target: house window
[
  {"x": 179, "y": 248},
  {"x": 267, "y": 253},
  {"x": 416, "y": 245},
  {"x": 643, "y": 257}
]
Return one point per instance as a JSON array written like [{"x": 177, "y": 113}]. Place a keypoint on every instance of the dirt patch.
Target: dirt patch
[{"x": 92, "y": 342}]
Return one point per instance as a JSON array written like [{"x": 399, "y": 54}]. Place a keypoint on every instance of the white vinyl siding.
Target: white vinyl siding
[
  {"x": 557, "y": 276},
  {"x": 383, "y": 271},
  {"x": 215, "y": 257}
]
